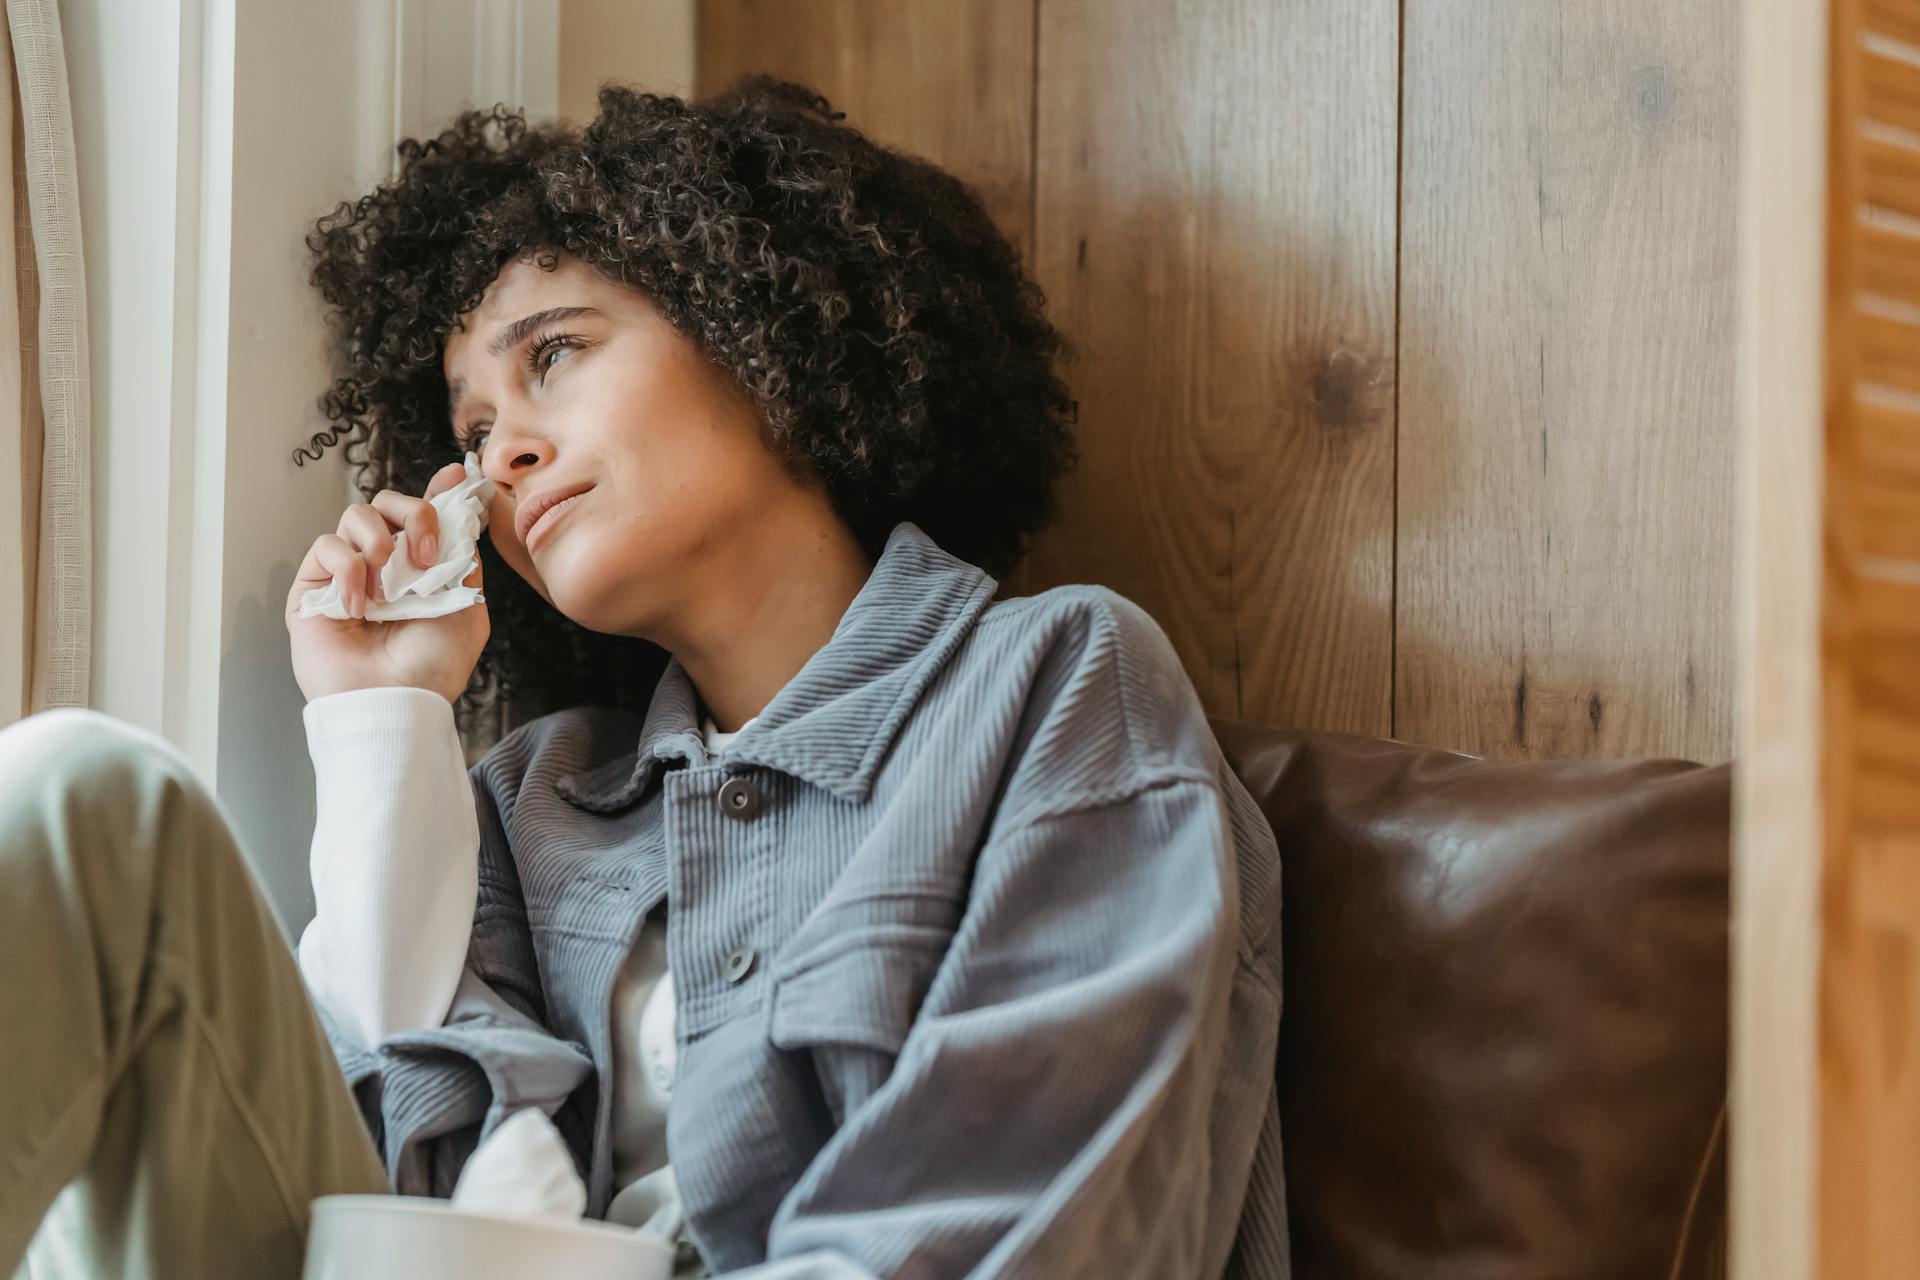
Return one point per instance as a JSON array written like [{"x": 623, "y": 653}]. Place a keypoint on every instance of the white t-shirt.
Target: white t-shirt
[
  {"x": 644, "y": 1056},
  {"x": 395, "y": 877}
]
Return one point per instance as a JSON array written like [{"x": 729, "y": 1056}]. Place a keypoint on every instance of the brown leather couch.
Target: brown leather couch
[{"x": 1504, "y": 1044}]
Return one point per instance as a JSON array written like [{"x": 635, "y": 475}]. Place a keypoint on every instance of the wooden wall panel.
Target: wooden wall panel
[
  {"x": 1869, "y": 1041},
  {"x": 951, "y": 82},
  {"x": 1210, "y": 195},
  {"x": 1566, "y": 400},
  {"x": 1826, "y": 1084},
  {"x": 1213, "y": 226},
  {"x": 1215, "y": 230}
]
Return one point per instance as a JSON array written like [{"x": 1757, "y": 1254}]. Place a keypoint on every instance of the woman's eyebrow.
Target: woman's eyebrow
[{"x": 509, "y": 337}]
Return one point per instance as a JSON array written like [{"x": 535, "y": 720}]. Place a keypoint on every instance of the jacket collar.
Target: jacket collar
[{"x": 833, "y": 723}]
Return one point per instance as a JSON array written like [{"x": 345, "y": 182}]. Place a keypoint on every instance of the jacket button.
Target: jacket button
[
  {"x": 739, "y": 798},
  {"x": 739, "y": 964}
]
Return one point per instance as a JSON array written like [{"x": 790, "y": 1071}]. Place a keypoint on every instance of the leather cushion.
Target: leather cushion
[{"x": 1504, "y": 1044}]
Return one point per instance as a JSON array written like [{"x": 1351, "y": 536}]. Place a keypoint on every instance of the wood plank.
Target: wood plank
[
  {"x": 648, "y": 46},
  {"x": 1898, "y": 19},
  {"x": 1887, "y": 261},
  {"x": 953, "y": 83},
  {"x": 1885, "y": 745},
  {"x": 1773, "y": 1148},
  {"x": 1875, "y": 508},
  {"x": 1867, "y": 1080},
  {"x": 1887, "y": 351},
  {"x": 1888, "y": 435},
  {"x": 1884, "y": 522},
  {"x": 1891, "y": 91},
  {"x": 1883, "y": 655},
  {"x": 1843, "y": 1089},
  {"x": 1892, "y": 176},
  {"x": 1869, "y": 1025},
  {"x": 1871, "y": 992},
  {"x": 1566, "y": 403},
  {"x": 1229, "y": 282}
]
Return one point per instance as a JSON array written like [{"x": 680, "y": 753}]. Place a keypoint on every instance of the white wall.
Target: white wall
[
  {"x": 209, "y": 136},
  {"x": 460, "y": 53},
  {"x": 311, "y": 126}
]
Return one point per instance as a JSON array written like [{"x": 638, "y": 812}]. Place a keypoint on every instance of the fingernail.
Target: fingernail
[{"x": 430, "y": 548}]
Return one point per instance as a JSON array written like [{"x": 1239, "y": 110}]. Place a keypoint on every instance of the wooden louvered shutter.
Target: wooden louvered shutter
[{"x": 1826, "y": 1103}]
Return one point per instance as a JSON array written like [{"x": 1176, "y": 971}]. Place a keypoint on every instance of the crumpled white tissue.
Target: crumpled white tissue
[
  {"x": 410, "y": 591},
  {"x": 522, "y": 1170}
]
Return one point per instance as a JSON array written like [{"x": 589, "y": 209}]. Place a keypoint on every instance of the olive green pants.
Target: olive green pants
[{"x": 168, "y": 1102}]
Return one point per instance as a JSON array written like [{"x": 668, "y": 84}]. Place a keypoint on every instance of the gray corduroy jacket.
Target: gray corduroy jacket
[{"x": 974, "y": 938}]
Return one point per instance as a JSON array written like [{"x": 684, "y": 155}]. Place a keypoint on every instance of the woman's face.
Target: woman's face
[{"x": 563, "y": 378}]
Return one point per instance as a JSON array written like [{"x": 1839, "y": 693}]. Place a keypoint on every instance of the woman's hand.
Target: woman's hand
[{"x": 332, "y": 655}]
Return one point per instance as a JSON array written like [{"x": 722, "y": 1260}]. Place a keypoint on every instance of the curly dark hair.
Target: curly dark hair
[{"x": 883, "y": 327}]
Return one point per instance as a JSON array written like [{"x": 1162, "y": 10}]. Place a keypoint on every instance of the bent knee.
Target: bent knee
[
  {"x": 114, "y": 806},
  {"x": 101, "y": 761},
  {"x": 75, "y": 742}
]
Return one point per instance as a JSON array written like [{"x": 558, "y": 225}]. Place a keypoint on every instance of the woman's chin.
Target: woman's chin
[{"x": 584, "y": 606}]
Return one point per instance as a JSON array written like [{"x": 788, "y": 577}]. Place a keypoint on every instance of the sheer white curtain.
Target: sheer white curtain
[{"x": 45, "y": 499}]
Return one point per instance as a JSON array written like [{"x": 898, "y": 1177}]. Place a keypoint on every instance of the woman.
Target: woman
[{"x": 844, "y": 921}]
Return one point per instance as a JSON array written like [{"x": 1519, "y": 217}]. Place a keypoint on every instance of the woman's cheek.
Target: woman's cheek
[
  {"x": 506, "y": 542},
  {"x": 500, "y": 522}
]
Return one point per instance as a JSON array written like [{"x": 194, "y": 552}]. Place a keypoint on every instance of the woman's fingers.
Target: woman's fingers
[
  {"x": 332, "y": 558},
  {"x": 445, "y": 478},
  {"x": 417, "y": 517},
  {"x": 365, "y": 528},
  {"x": 356, "y": 554}
]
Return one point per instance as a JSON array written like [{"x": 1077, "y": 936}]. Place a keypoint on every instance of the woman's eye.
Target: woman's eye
[
  {"x": 551, "y": 345},
  {"x": 542, "y": 356}
]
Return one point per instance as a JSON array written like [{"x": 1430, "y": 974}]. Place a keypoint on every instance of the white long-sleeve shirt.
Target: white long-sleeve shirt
[
  {"x": 394, "y": 860},
  {"x": 394, "y": 863}
]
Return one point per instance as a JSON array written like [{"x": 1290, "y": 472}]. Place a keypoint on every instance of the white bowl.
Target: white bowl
[{"x": 417, "y": 1238}]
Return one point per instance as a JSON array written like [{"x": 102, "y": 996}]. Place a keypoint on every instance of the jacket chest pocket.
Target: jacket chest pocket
[{"x": 849, "y": 1002}]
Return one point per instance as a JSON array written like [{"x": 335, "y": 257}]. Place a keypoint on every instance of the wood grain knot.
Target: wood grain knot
[
  {"x": 1345, "y": 389},
  {"x": 1520, "y": 710},
  {"x": 1650, "y": 93}
]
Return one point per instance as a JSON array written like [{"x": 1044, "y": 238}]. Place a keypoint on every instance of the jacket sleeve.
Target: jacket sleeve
[
  {"x": 419, "y": 959},
  {"x": 1048, "y": 1113}
]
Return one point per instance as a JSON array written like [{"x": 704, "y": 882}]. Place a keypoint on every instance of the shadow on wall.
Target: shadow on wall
[{"x": 265, "y": 778}]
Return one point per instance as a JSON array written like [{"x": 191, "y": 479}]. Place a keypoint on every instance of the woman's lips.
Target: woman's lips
[{"x": 538, "y": 532}]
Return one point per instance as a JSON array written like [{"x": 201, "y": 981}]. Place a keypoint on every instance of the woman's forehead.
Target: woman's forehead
[
  {"x": 522, "y": 284},
  {"x": 521, "y": 288}
]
